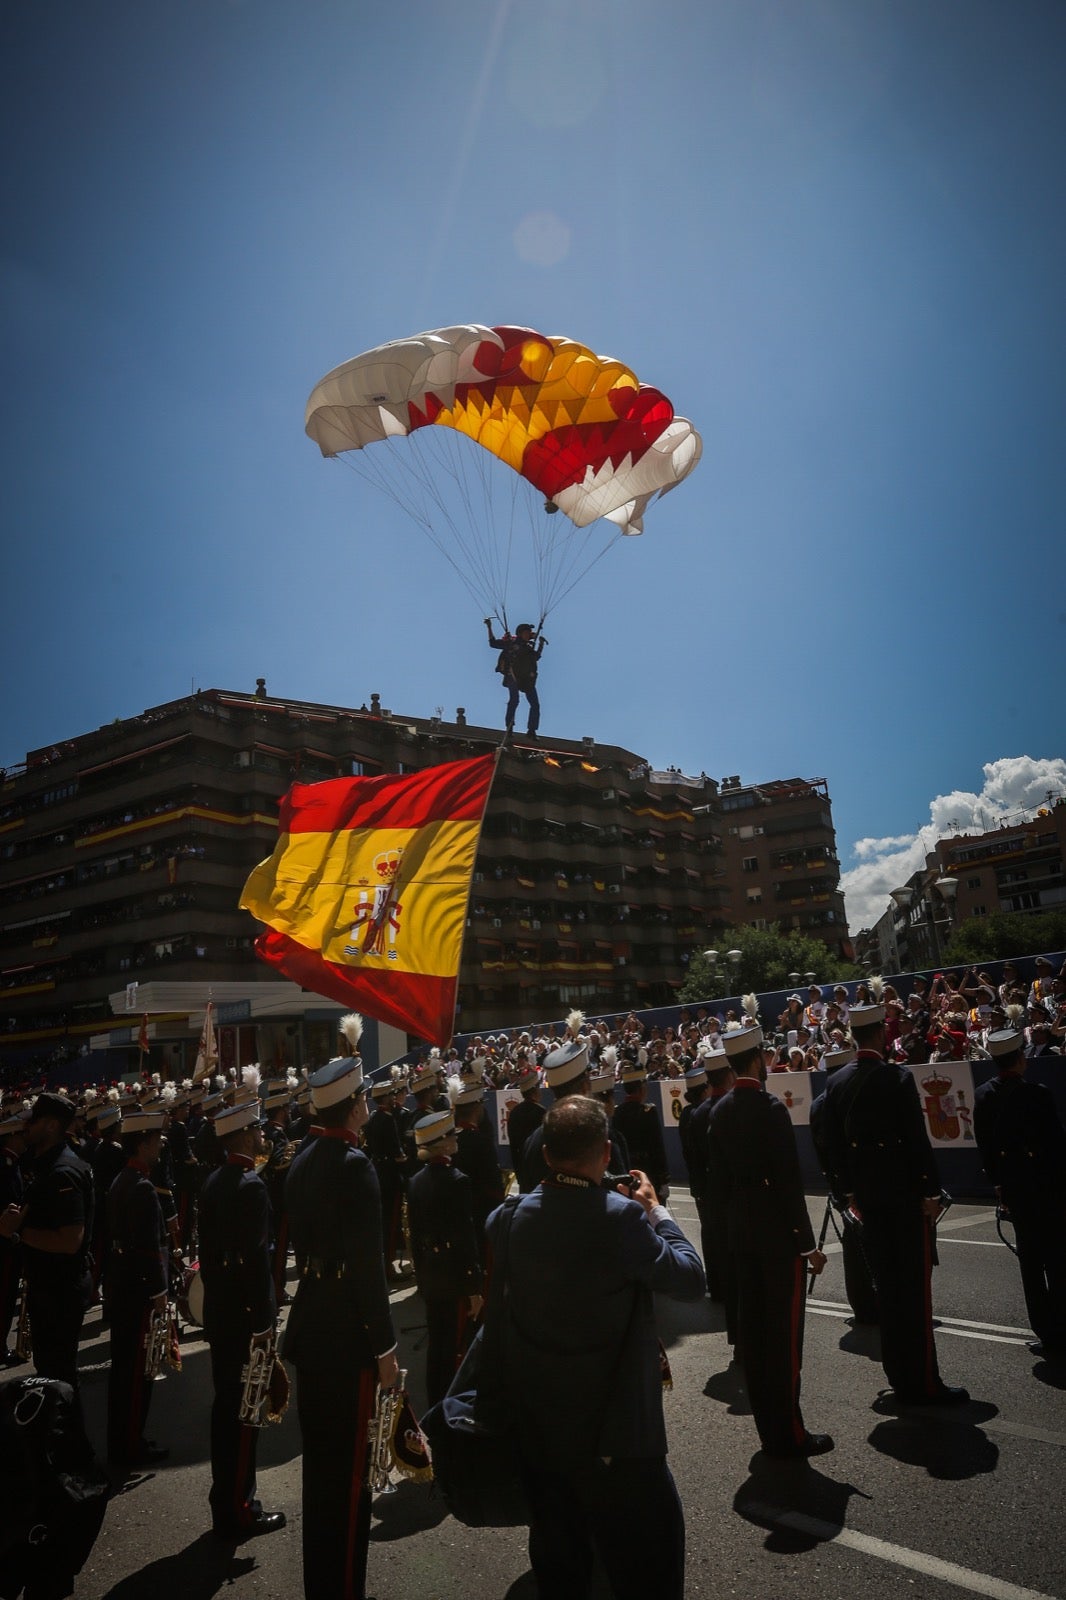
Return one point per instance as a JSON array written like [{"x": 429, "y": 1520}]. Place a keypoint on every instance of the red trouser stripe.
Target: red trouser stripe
[
  {"x": 795, "y": 1323},
  {"x": 360, "y": 1469}
]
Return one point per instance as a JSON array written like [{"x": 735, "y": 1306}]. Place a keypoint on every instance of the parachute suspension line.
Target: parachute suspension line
[{"x": 415, "y": 509}]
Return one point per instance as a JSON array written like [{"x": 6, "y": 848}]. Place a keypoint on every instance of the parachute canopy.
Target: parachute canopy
[{"x": 591, "y": 440}]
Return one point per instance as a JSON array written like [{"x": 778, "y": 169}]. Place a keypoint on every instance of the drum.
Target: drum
[{"x": 191, "y": 1296}]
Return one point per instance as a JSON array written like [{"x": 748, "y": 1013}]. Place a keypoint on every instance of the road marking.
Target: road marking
[
  {"x": 991, "y": 1332},
  {"x": 899, "y": 1555},
  {"x": 1022, "y": 1430},
  {"x": 986, "y": 1244},
  {"x": 966, "y": 1222}
]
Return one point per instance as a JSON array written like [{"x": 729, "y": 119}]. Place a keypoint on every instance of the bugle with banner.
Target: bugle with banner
[{"x": 397, "y": 1443}]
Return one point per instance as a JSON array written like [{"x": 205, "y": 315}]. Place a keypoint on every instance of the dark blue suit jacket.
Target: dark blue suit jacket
[{"x": 581, "y": 1351}]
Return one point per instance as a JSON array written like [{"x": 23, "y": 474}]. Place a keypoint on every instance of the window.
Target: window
[
  {"x": 750, "y": 864},
  {"x": 754, "y": 896},
  {"x": 979, "y": 911},
  {"x": 973, "y": 883}
]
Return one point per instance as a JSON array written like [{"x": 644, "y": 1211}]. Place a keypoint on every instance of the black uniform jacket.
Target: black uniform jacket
[
  {"x": 341, "y": 1307},
  {"x": 875, "y": 1142},
  {"x": 1021, "y": 1140},
  {"x": 754, "y": 1174},
  {"x": 235, "y": 1253},
  {"x": 138, "y": 1236},
  {"x": 443, "y": 1243}
]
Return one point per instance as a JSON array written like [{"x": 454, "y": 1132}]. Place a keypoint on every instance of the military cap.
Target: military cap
[
  {"x": 472, "y": 1096},
  {"x": 566, "y": 1063},
  {"x": 739, "y": 1040},
  {"x": 233, "y": 1118},
  {"x": 870, "y": 1015},
  {"x": 338, "y": 1080},
  {"x": 433, "y": 1130},
  {"x": 383, "y": 1088},
  {"x": 424, "y": 1078},
  {"x": 144, "y": 1121},
  {"x": 1006, "y": 1042},
  {"x": 48, "y": 1104}
]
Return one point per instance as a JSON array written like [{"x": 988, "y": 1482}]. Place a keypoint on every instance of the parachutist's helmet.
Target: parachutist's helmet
[{"x": 525, "y": 627}]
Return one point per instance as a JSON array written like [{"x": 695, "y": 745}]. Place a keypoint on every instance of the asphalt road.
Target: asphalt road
[{"x": 926, "y": 1505}]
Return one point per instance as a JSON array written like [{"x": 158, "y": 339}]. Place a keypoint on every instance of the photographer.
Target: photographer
[{"x": 582, "y": 1367}]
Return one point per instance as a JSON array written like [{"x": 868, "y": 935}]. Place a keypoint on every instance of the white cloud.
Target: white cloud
[{"x": 1012, "y": 785}]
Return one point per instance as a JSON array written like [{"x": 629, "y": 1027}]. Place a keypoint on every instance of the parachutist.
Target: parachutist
[{"x": 517, "y": 662}]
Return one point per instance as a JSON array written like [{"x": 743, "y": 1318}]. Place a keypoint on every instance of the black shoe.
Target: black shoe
[
  {"x": 814, "y": 1444},
  {"x": 1049, "y": 1352},
  {"x": 947, "y": 1394},
  {"x": 10, "y": 1359},
  {"x": 264, "y": 1522}
]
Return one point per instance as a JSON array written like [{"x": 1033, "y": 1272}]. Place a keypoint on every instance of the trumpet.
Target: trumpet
[
  {"x": 264, "y": 1387},
  {"x": 157, "y": 1343},
  {"x": 387, "y": 1405},
  {"x": 23, "y": 1334}
]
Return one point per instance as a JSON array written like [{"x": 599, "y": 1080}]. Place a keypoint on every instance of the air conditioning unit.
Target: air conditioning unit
[
  {"x": 610, "y": 794},
  {"x": 614, "y": 888},
  {"x": 535, "y": 923},
  {"x": 243, "y": 758}
]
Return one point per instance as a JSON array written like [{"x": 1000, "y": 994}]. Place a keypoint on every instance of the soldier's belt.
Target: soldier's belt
[{"x": 323, "y": 1267}]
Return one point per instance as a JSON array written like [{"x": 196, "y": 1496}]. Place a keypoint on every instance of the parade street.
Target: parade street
[{"x": 929, "y": 1504}]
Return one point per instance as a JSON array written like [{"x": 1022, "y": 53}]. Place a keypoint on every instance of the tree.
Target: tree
[
  {"x": 767, "y": 956},
  {"x": 1005, "y": 934}
]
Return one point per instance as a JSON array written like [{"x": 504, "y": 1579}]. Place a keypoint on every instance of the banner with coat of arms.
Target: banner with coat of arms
[
  {"x": 945, "y": 1089},
  {"x": 795, "y": 1092}
]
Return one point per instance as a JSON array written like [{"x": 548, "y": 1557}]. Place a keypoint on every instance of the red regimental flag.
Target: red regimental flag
[{"x": 365, "y": 896}]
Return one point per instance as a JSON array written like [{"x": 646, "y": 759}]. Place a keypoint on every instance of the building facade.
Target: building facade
[
  {"x": 780, "y": 858},
  {"x": 123, "y": 853}
]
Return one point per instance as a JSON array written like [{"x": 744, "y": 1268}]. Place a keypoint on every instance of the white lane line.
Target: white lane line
[
  {"x": 986, "y": 1244},
  {"x": 938, "y": 1322},
  {"x": 990, "y": 1332},
  {"x": 1022, "y": 1430},
  {"x": 899, "y": 1555},
  {"x": 966, "y": 1222}
]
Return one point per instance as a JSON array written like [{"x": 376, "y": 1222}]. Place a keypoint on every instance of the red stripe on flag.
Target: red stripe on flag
[
  {"x": 454, "y": 792},
  {"x": 424, "y": 1006}
]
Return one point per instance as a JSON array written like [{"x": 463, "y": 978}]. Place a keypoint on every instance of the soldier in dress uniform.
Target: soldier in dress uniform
[
  {"x": 879, "y": 1161},
  {"x": 1023, "y": 1147},
  {"x": 136, "y": 1290},
  {"x": 107, "y": 1161},
  {"x": 240, "y": 1310},
  {"x": 523, "y": 1119},
  {"x": 280, "y": 1147},
  {"x": 12, "y": 1147},
  {"x": 476, "y": 1156},
  {"x": 641, "y": 1126},
  {"x": 755, "y": 1184},
  {"x": 713, "y": 1246},
  {"x": 425, "y": 1091},
  {"x": 566, "y": 1072},
  {"x": 186, "y": 1168},
  {"x": 858, "y": 1281},
  {"x": 55, "y": 1225},
  {"x": 382, "y": 1143},
  {"x": 340, "y": 1336},
  {"x": 445, "y": 1248}
]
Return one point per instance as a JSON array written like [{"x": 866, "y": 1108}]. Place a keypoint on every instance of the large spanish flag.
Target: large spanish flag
[{"x": 365, "y": 896}]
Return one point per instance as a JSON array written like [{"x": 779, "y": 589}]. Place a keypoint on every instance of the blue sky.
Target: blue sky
[{"x": 832, "y": 232}]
